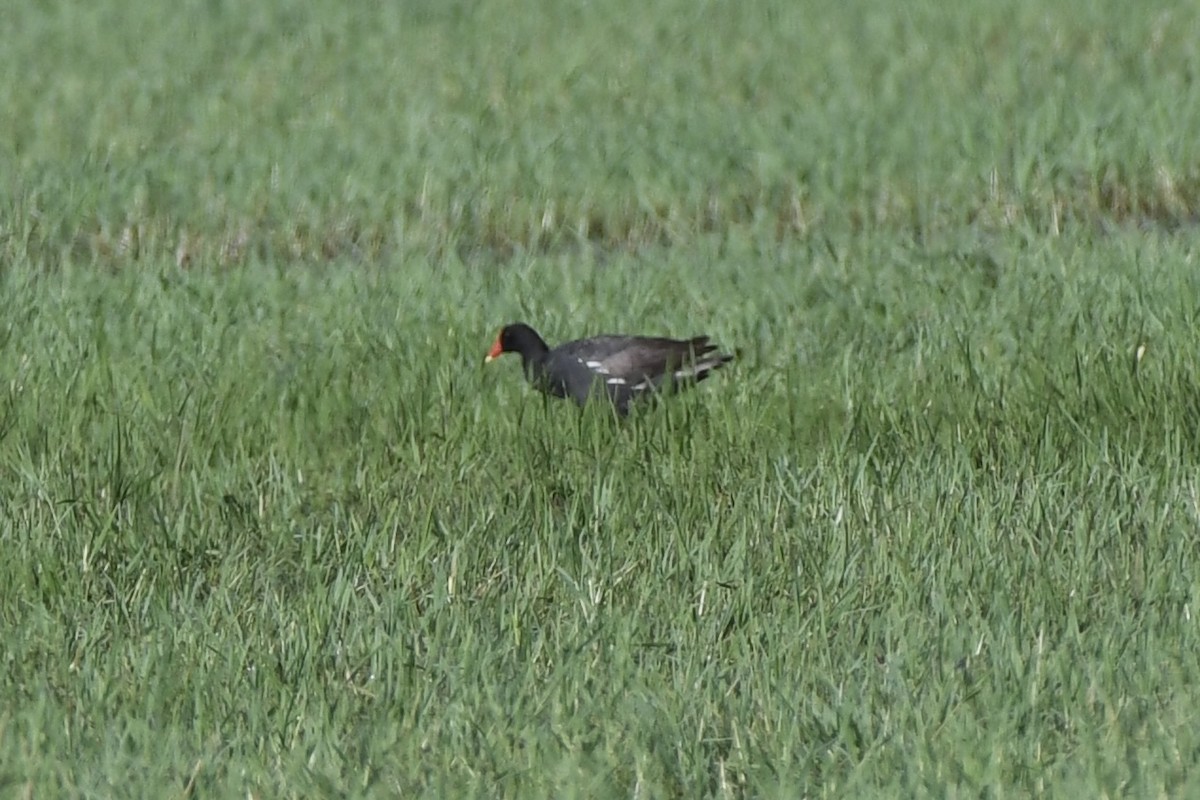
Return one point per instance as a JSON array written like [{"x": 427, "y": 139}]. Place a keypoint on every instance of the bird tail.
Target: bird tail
[{"x": 704, "y": 358}]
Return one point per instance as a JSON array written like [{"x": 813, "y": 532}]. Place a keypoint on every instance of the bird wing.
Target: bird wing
[
  {"x": 636, "y": 357},
  {"x": 630, "y": 366}
]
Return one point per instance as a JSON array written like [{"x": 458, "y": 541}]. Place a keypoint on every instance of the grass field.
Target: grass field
[{"x": 269, "y": 528}]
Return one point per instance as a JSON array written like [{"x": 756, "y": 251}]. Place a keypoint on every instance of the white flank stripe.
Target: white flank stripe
[
  {"x": 596, "y": 366},
  {"x": 615, "y": 381}
]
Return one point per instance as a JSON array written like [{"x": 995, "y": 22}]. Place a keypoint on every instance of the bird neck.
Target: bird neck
[{"x": 531, "y": 346}]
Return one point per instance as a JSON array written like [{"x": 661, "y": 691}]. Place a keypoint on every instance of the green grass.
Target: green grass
[{"x": 269, "y": 528}]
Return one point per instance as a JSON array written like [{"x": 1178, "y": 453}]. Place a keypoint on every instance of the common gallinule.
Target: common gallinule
[{"x": 623, "y": 368}]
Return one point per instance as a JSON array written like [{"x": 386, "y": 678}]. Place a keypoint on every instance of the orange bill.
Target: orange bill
[{"x": 495, "y": 351}]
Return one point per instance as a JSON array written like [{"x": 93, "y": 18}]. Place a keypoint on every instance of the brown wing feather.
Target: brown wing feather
[{"x": 652, "y": 356}]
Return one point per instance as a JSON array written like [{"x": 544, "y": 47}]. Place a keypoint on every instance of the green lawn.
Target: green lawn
[{"x": 269, "y": 527}]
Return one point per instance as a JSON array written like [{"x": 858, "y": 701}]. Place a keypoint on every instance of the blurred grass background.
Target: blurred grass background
[
  {"x": 267, "y": 527},
  {"x": 319, "y": 131}
]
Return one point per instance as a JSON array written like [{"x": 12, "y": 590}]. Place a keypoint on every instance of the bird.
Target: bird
[{"x": 617, "y": 367}]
